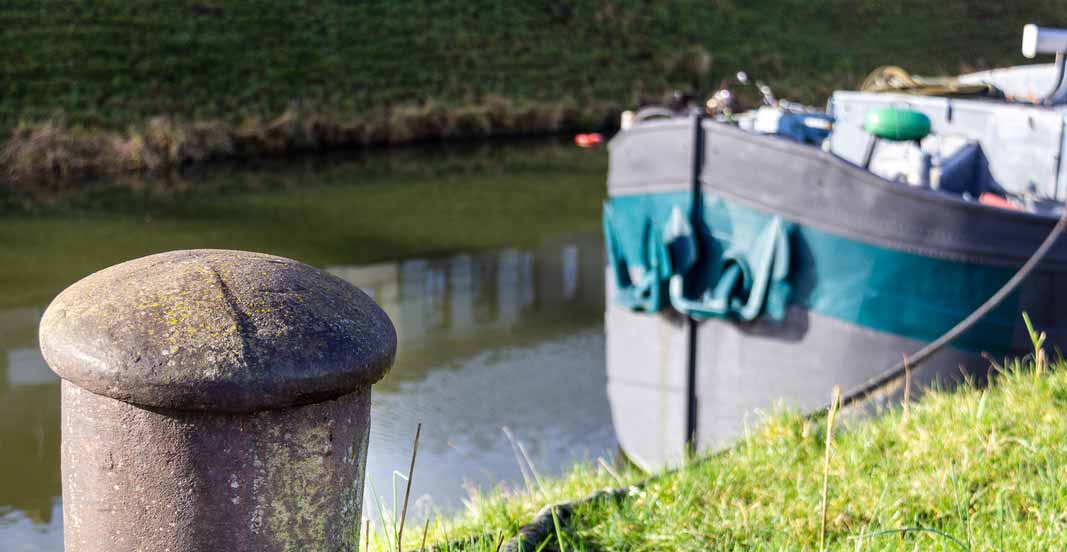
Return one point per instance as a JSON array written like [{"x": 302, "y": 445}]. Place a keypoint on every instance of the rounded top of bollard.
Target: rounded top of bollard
[{"x": 217, "y": 330}]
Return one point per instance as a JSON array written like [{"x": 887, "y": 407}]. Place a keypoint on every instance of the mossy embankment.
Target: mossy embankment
[
  {"x": 109, "y": 85},
  {"x": 975, "y": 469}
]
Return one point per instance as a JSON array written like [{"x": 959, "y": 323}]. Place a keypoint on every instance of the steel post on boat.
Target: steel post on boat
[
  {"x": 692, "y": 411},
  {"x": 214, "y": 400}
]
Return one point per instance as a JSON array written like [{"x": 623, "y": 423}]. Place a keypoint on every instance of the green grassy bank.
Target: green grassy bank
[
  {"x": 975, "y": 469},
  {"x": 108, "y": 85}
]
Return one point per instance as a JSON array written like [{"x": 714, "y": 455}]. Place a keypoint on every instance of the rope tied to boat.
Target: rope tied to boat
[
  {"x": 890, "y": 78},
  {"x": 918, "y": 357}
]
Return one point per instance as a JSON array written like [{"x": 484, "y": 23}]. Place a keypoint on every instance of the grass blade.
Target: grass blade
[
  {"x": 407, "y": 490},
  {"x": 826, "y": 464}
]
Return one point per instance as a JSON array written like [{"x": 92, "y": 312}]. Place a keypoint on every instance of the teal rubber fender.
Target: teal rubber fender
[
  {"x": 753, "y": 278},
  {"x": 646, "y": 292}
]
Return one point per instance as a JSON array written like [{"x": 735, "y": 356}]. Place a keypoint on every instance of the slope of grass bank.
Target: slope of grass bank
[
  {"x": 969, "y": 470},
  {"x": 111, "y": 85}
]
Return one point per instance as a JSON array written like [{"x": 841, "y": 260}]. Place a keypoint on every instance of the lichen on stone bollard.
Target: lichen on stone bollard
[{"x": 214, "y": 400}]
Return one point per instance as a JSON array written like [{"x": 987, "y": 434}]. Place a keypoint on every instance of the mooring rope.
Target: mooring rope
[
  {"x": 890, "y": 78},
  {"x": 964, "y": 325}
]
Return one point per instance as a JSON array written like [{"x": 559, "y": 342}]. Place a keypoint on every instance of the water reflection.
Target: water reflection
[
  {"x": 512, "y": 337},
  {"x": 29, "y": 423}
]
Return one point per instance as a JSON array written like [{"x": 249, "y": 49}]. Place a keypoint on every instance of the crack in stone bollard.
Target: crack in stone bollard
[{"x": 214, "y": 400}]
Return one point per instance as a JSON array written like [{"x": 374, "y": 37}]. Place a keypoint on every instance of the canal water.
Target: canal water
[{"x": 487, "y": 259}]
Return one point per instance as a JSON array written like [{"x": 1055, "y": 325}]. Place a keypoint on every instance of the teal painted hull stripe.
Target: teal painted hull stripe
[{"x": 883, "y": 289}]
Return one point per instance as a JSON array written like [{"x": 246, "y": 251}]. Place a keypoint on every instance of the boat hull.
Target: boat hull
[{"x": 876, "y": 271}]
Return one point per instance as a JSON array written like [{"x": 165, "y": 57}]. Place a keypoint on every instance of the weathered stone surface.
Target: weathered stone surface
[
  {"x": 216, "y": 330},
  {"x": 157, "y": 480}
]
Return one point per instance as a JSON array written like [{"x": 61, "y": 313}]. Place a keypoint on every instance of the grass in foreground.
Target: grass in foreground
[{"x": 975, "y": 469}]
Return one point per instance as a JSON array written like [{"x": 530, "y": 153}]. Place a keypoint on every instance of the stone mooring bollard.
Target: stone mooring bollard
[{"x": 214, "y": 400}]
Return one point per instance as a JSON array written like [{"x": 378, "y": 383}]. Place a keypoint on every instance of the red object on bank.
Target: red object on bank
[
  {"x": 588, "y": 140},
  {"x": 994, "y": 200}
]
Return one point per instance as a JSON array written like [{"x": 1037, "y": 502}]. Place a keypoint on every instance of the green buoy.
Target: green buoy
[{"x": 898, "y": 125}]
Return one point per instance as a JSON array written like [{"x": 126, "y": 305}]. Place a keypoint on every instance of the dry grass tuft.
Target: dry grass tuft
[
  {"x": 55, "y": 150},
  {"x": 52, "y": 148}
]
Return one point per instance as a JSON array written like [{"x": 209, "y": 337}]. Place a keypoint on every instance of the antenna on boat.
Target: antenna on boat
[
  {"x": 1047, "y": 40},
  {"x": 764, "y": 88}
]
